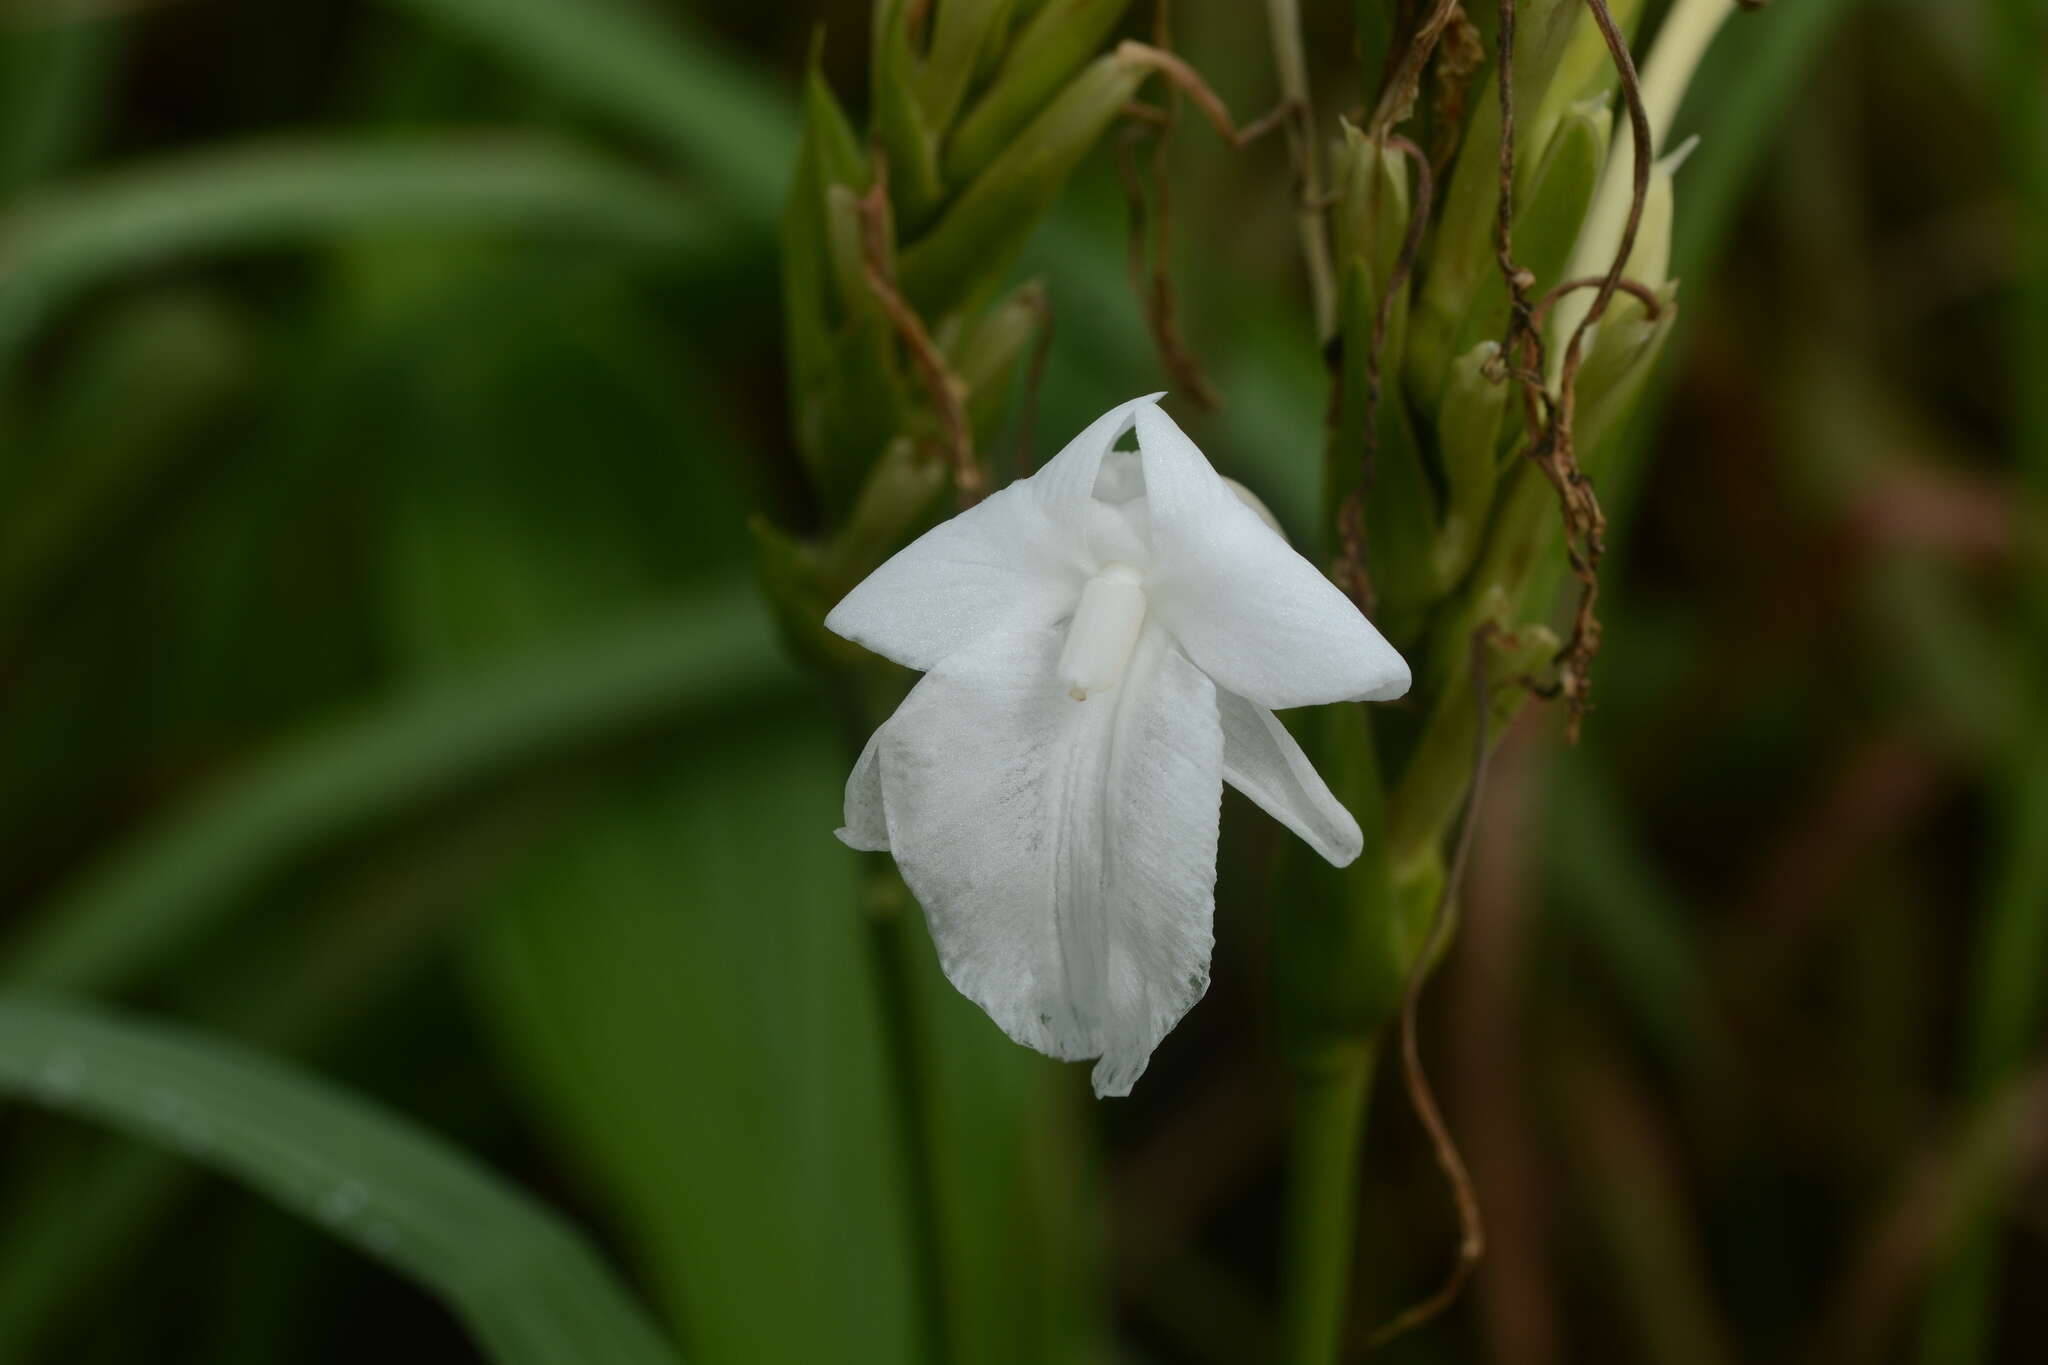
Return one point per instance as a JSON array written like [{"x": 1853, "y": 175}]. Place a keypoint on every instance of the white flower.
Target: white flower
[{"x": 1101, "y": 644}]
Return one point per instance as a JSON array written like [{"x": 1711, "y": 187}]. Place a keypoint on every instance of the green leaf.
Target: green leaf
[
  {"x": 179, "y": 880},
  {"x": 529, "y": 1287},
  {"x": 67, "y": 239}
]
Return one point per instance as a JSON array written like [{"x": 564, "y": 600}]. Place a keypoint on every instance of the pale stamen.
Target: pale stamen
[{"x": 1104, "y": 631}]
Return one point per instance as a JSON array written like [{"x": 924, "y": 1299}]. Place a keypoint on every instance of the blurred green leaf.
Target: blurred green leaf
[
  {"x": 64, "y": 240},
  {"x": 657, "y": 77},
  {"x": 82, "y": 1213},
  {"x": 680, "y": 980},
  {"x": 1616, "y": 900},
  {"x": 1738, "y": 102},
  {"x": 126, "y": 409},
  {"x": 704, "y": 924},
  {"x": 179, "y": 880},
  {"x": 53, "y": 86},
  {"x": 2008, "y": 996},
  {"x": 683, "y": 982},
  {"x": 529, "y": 1288}
]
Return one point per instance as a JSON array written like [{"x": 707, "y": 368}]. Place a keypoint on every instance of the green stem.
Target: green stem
[
  {"x": 1322, "y": 1204},
  {"x": 891, "y": 938}
]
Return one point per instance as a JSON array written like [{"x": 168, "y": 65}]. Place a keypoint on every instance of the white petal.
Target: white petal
[
  {"x": 1064, "y": 851},
  {"x": 866, "y": 829},
  {"x": 1254, "y": 615},
  {"x": 1067, "y": 483},
  {"x": 1262, "y": 760},
  {"x": 997, "y": 565},
  {"x": 1013, "y": 561}
]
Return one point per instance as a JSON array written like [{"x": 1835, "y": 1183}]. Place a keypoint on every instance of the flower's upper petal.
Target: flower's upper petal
[
  {"x": 1262, "y": 760},
  {"x": 1015, "y": 560},
  {"x": 1067, "y": 484},
  {"x": 1064, "y": 851},
  {"x": 1253, "y": 614}
]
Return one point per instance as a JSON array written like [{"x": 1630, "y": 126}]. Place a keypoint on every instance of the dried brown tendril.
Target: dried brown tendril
[{"x": 948, "y": 393}]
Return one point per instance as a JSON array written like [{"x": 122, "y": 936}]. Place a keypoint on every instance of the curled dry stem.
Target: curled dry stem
[
  {"x": 1153, "y": 283},
  {"x": 1189, "y": 82},
  {"x": 1642, "y": 293},
  {"x": 1150, "y": 252},
  {"x": 1146, "y": 261},
  {"x": 948, "y": 393},
  {"x": 1397, "y": 99},
  {"x": 1471, "y": 1225},
  {"x": 1462, "y": 53},
  {"x": 1548, "y": 417}
]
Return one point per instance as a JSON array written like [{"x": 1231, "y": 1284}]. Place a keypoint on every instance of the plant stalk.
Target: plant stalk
[
  {"x": 1322, "y": 1203},
  {"x": 891, "y": 939}
]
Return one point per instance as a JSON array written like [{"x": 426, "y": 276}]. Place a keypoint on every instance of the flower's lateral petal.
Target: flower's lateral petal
[
  {"x": 866, "y": 828},
  {"x": 1262, "y": 760},
  {"x": 1064, "y": 851},
  {"x": 1016, "y": 560},
  {"x": 999, "y": 565},
  {"x": 1252, "y": 614}
]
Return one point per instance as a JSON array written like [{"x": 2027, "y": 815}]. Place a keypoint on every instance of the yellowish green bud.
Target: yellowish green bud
[
  {"x": 812, "y": 309},
  {"x": 968, "y": 40},
  {"x": 1649, "y": 264},
  {"x": 1462, "y": 256},
  {"x": 1051, "y": 47},
  {"x": 1681, "y": 42},
  {"x": 1468, "y": 424},
  {"x": 1372, "y": 212},
  {"x": 1585, "y": 71},
  {"x": 981, "y": 232},
  {"x": 900, "y": 128},
  {"x": 1623, "y": 349},
  {"x": 986, "y": 357},
  {"x": 1547, "y": 220}
]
